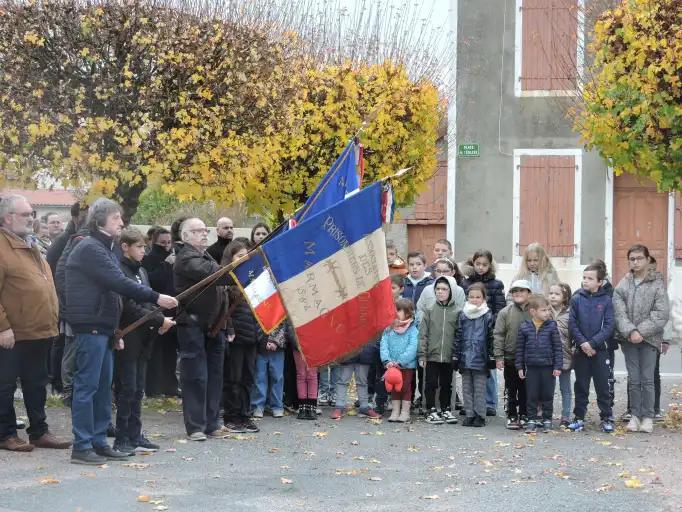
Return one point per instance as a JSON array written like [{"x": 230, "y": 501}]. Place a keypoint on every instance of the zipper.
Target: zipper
[{"x": 442, "y": 337}]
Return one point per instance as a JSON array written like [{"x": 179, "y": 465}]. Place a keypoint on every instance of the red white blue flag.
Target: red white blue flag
[{"x": 332, "y": 276}]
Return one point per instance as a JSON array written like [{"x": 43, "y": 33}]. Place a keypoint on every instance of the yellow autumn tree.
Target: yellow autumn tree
[{"x": 632, "y": 110}]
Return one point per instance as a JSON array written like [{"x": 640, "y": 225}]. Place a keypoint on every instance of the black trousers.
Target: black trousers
[
  {"x": 161, "y": 379},
  {"x": 379, "y": 386},
  {"x": 56, "y": 354},
  {"x": 290, "y": 392},
  {"x": 26, "y": 361},
  {"x": 201, "y": 377},
  {"x": 238, "y": 380},
  {"x": 129, "y": 381},
  {"x": 515, "y": 388},
  {"x": 594, "y": 368},
  {"x": 540, "y": 391},
  {"x": 438, "y": 375}
]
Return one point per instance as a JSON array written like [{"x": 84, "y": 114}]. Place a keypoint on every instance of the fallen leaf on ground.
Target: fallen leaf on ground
[
  {"x": 188, "y": 459},
  {"x": 347, "y": 472},
  {"x": 375, "y": 479},
  {"x": 276, "y": 433},
  {"x": 354, "y": 443},
  {"x": 103, "y": 466},
  {"x": 135, "y": 465},
  {"x": 412, "y": 449},
  {"x": 375, "y": 461},
  {"x": 605, "y": 488},
  {"x": 605, "y": 443},
  {"x": 143, "y": 498},
  {"x": 358, "y": 457},
  {"x": 160, "y": 507},
  {"x": 320, "y": 435},
  {"x": 501, "y": 444},
  {"x": 171, "y": 450},
  {"x": 181, "y": 441},
  {"x": 273, "y": 450},
  {"x": 431, "y": 497},
  {"x": 49, "y": 480},
  {"x": 286, "y": 481},
  {"x": 376, "y": 421},
  {"x": 633, "y": 483},
  {"x": 379, "y": 433}
]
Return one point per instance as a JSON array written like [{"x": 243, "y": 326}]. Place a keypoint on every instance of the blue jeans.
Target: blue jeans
[
  {"x": 346, "y": 373},
  {"x": 491, "y": 390},
  {"x": 566, "y": 394},
  {"x": 269, "y": 370},
  {"x": 91, "y": 405},
  {"x": 329, "y": 378}
]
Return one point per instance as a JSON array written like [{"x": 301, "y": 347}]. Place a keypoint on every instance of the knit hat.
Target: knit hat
[{"x": 521, "y": 284}]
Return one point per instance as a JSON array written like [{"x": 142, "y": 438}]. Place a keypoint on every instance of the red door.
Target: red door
[{"x": 640, "y": 216}]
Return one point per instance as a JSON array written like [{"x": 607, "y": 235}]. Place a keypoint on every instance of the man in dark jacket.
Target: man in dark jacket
[
  {"x": 591, "y": 323},
  {"x": 201, "y": 345},
  {"x": 225, "y": 231},
  {"x": 94, "y": 286}
]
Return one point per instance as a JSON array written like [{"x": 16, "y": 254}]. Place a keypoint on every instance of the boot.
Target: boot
[
  {"x": 395, "y": 412},
  {"x": 302, "y": 411},
  {"x": 312, "y": 404},
  {"x": 405, "y": 411}
]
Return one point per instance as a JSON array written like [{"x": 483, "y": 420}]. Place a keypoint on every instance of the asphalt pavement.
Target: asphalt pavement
[{"x": 360, "y": 465}]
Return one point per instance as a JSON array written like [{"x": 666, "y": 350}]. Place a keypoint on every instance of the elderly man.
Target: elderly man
[
  {"x": 225, "y": 231},
  {"x": 94, "y": 286},
  {"x": 201, "y": 341},
  {"x": 28, "y": 322}
]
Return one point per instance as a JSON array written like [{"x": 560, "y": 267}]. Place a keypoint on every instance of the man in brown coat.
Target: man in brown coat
[{"x": 28, "y": 323}]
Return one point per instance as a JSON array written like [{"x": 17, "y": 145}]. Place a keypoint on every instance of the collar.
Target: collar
[
  {"x": 105, "y": 238},
  {"x": 132, "y": 265},
  {"x": 16, "y": 241}
]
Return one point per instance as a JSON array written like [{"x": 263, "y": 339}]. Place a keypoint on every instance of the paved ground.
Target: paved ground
[{"x": 358, "y": 465}]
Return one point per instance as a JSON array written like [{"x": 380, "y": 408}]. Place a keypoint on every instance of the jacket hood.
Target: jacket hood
[
  {"x": 452, "y": 283},
  {"x": 467, "y": 269}
]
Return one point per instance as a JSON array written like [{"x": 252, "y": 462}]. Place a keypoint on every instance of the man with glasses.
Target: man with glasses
[
  {"x": 200, "y": 339},
  {"x": 55, "y": 226},
  {"x": 28, "y": 323}
]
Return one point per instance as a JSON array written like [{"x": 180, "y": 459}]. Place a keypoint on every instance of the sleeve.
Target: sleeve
[
  {"x": 106, "y": 273},
  {"x": 521, "y": 349},
  {"x": 56, "y": 250},
  {"x": 423, "y": 336},
  {"x": 197, "y": 268},
  {"x": 4, "y": 321},
  {"x": 134, "y": 311},
  {"x": 490, "y": 338},
  {"x": 456, "y": 340},
  {"x": 623, "y": 324},
  {"x": 499, "y": 335},
  {"x": 383, "y": 347},
  {"x": 410, "y": 351},
  {"x": 460, "y": 297},
  {"x": 421, "y": 308},
  {"x": 599, "y": 340},
  {"x": 658, "y": 316},
  {"x": 557, "y": 348},
  {"x": 573, "y": 327},
  {"x": 499, "y": 302}
]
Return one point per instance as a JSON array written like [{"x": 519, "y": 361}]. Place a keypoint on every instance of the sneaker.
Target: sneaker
[
  {"x": 124, "y": 447},
  {"x": 302, "y": 413},
  {"x": 577, "y": 425},
  {"x": 658, "y": 417},
  {"x": 368, "y": 413},
  {"x": 21, "y": 424},
  {"x": 257, "y": 414},
  {"x": 323, "y": 399},
  {"x": 197, "y": 436},
  {"x": 468, "y": 421},
  {"x": 565, "y": 422},
  {"x": 332, "y": 399},
  {"x": 278, "y": 413},
  {"x": 251, "y": 427},
  {"x": 434, "y": 418},
  {"x": 110, "y": 453},
  {"x": 478, "y": 421},
  {"x": 513, "y": 423},
  {"x": 607, "y": 427},
  {"x": 523, "y": 420},
  {"x": 217, "y": 434},
  {"x": 311, "y": 413},
  {"x": 530, "y": 427},
  {"x": 627, "y": 416},
  {"x": 647, "y": 425},
  {"x": 633, "y": 425},
  {"x": 490, "y": 411},
  {"x": 449, "y": 418},
  {"x": 87, "y": 457},
  {"x": 336, "y": 414},
  {"x": 546, "y": 425},
  {"x": 235, "y": 428},
  {"x": 459, "y": 406},
  {"x": 144, "y": 445}
]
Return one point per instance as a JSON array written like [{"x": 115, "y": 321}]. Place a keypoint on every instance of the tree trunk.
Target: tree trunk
[{"x": 129, "y": 197}]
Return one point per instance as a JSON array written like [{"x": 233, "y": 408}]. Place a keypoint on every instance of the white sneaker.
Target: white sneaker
[
  {"x": 448, "y": 417},
  {"x": 434, "y": 418},
  {"x": 633, "y": 425},
  {"x": 197, "y": 436},
  {"x": 257, "y": 414},
  {"x": 647, "y": 425}
]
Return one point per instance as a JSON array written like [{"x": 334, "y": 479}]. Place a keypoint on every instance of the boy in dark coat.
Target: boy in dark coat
[
  {"x": 130, "y": 363},
  {"x": 591, "y": 323},
  {"x": 539, "y": 359}
]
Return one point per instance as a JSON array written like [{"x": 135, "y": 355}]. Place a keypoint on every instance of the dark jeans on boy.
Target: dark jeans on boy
[
  {"x": 129, "y": 380},
  {"x": 27, "y": 361},
  {"x": 201, "y": 378},
  {"x": 516, "y": 390},
  {"x": 438, "y": 375},
  {"x": 594, "y": 368},
  {"x": 540, "y": 391},
  {"x": 239, "y": 377}
]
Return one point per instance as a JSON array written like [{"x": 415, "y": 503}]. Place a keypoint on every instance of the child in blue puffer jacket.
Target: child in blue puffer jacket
[{"x": 399, "y": 348}]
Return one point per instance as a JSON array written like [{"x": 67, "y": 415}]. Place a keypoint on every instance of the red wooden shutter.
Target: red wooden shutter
[
  {"x": 547, "y": 203},
  {"x": 549, "y": 45}
]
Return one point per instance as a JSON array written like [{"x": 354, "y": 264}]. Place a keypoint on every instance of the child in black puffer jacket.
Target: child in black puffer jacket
[{"x": 481, "y": 269}]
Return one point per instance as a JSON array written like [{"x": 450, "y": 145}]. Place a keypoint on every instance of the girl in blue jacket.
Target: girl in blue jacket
[{"x": 399, "y": 348}]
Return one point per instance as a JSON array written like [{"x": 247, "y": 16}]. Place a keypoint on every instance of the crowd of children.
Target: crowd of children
[{"x": 451, "y": 321}]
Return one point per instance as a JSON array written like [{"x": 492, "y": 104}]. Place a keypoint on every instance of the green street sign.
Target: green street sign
[{"x": 468, "y": 150}]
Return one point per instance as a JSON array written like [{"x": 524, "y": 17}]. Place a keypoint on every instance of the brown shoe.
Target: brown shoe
[
  {"x": 48, "y": 440},
  {"x": 15, "y": 444}
]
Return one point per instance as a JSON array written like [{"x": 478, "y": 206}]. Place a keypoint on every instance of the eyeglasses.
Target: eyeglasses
[
  {"x": 635, "y": 259},
  {"x": 203, "y": 231},
  {"x": 25, "y": 215}
]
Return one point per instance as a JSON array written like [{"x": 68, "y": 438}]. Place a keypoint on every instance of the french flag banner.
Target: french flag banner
[
  {"x": 255, "y": 283},
  {"x": 332, "y": 275}
]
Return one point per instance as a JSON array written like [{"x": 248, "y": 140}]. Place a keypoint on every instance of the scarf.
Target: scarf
[
  {"x": 401, "y": 326},
  {"x": 472, "y": 312}
]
